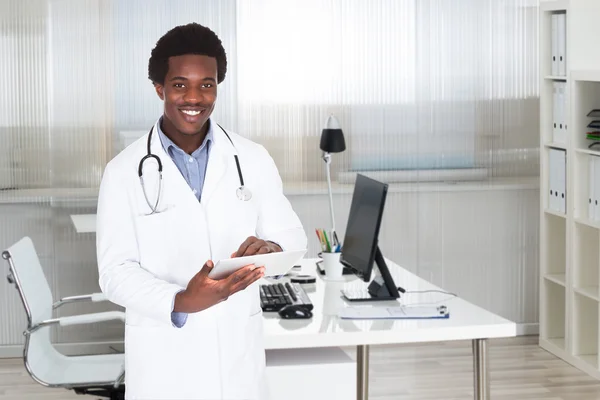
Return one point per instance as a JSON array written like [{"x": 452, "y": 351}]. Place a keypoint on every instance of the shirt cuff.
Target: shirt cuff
[
  {"x": 178, "y": 319},
  {"x": 280, "y": 246}
]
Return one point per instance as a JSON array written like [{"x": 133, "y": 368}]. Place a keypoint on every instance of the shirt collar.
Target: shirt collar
[{"x": 169, "y": 146}]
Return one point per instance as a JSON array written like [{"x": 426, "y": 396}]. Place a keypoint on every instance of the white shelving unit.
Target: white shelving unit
[{"x": 569, "y": 241}]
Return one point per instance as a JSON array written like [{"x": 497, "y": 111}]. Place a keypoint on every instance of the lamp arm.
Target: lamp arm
[{"x": 327, "y": 159}]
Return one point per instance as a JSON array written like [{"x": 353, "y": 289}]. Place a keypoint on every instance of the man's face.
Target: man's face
[{"x": 189, "y": 92}]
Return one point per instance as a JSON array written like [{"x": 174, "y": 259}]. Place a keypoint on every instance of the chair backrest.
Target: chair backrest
[
  {"x": 31, "y": 282},
  {"x": 41, "y": 358}
]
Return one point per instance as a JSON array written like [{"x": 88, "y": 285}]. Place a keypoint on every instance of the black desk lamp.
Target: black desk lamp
[{"x": 332, "y": 141}]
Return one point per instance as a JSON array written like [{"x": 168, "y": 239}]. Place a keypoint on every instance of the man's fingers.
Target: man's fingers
[
  {"x": 239, "y": 275},
  {"x": 242, "y": 281},
  {"x": 249, "y": 279},
  {"x": 264, "y": 250},
  {"x": 255, "y": 248},
  {"x": 206, "y": 268},
  {"x": 242, "y": 250}
]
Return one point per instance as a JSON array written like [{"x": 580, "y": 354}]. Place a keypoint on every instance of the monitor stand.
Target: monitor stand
[{"x": 380, "y": 288}]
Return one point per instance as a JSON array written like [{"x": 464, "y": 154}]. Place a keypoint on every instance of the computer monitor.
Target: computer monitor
[{"x": 360, "y": 246}]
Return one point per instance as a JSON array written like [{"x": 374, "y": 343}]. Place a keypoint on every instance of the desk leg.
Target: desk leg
[
  {"x": 480, "y": 370},
  {"x": 362, "y": 372}
]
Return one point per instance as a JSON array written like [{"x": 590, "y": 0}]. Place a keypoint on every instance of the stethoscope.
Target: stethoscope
[{"x": 242, "y": 193}]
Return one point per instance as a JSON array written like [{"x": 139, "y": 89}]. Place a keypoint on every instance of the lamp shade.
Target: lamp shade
[{"x": 332, "y": 137}]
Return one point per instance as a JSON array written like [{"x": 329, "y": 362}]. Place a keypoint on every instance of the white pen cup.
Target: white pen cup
[{"x": 332, "y": 266}]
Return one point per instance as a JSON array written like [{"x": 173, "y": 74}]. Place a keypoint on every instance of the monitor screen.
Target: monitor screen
[{"x": 364, "y": 220}]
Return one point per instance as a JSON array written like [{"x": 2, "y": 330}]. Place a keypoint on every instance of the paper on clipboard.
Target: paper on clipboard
[{"x": 398, "y": 312}]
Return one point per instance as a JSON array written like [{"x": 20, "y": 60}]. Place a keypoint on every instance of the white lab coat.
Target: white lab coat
[{"x": 144, "y": 260}]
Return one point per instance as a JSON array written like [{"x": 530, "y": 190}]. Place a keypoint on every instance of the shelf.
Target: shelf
[
  {"x": 570, "y": 238},
  {"x": 555, "y": 213},
  {"x": 586, "y": 260},
  {"x": 558, "y": 342},
  {"x": 591, "y": 292},
  {"x": 553, "y": 319},
  {"x": 556, "y": 278},
  {"x": 585, "y": 75},
  {"x": 553, "y": 241},
  {"x": 591, "y": 224},
  {"x": 585, "y": 329},
  {"x": 585, "y": 95},
  {"x": 554, "y": 6},
  {"x": 555, "y": 78},
  {"x": 555, "y": 145},
  {"x": 592, "y": 360},
  {"x": 587, "y": 151}
]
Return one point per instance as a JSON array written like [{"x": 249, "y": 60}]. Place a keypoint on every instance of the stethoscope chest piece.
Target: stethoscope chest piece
[{"x": 243, "y": 193}]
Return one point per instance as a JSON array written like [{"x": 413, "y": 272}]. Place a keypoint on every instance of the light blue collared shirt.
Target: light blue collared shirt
[{"x": 193, "y": 170}]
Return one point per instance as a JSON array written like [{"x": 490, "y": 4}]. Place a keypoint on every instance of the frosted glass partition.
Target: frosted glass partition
[{"x": 427, "y": 92}]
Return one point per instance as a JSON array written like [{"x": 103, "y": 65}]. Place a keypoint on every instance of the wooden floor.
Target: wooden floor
[{"x": 519, "y": 369}]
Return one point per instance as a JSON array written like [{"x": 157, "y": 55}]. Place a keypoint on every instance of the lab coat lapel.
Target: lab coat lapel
[
  {"x": 218, "y": 165},
  {"x": 174, "y": 187}
]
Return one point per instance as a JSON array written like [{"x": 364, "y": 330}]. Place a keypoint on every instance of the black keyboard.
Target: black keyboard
[{"x": 275, "y": 296}]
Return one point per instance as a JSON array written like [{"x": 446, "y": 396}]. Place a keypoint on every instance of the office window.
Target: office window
[
  {"x": 425, "y": 84},
  {"x": 416, "y": 84}
]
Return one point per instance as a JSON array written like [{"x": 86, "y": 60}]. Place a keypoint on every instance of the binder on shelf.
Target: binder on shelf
[
  {"x": 562, "y": 44},
  {"x": 559, "y": 126},
  {"x": 554, "y": 45},
  {"x": 555, "y": 131},
  {"x": 592, "y": 200},
  {"x": 596, "y": 185},
  {"x": 565, "y": 111},
  {"x": 557, "y": 180},
  {"x": 552, "y": 181},
  {"x": 562, "y": 181}
]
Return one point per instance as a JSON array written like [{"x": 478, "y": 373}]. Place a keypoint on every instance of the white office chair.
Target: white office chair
[{"x": 98, "y": 375}]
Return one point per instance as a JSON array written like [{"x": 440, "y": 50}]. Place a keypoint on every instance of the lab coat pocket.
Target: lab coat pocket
[{"x": 155, "y": 241}]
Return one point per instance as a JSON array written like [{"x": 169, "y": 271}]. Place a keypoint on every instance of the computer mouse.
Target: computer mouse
[{"x": 295, "y": 311}]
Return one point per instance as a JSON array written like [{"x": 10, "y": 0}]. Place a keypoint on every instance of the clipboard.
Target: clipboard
[{"x": 397, "y": 312}]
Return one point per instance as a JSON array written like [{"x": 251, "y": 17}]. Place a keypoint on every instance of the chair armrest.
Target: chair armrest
[
  {"x": 94, "y": 297},
  {"x": 80, "y": 320},
  {"x": 91, "y": 318}
]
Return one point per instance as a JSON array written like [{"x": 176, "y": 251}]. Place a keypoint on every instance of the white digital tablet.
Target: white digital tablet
[{"x": 276, "y": 264}]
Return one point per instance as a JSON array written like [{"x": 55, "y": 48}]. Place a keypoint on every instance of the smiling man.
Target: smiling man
[{"x": 168, "y": 206}]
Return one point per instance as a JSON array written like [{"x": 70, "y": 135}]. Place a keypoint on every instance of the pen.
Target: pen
[
  {"x": 321, "y": 241},
  {"x": 327, "y": 242},
  {"x": 335, "y": 238}
]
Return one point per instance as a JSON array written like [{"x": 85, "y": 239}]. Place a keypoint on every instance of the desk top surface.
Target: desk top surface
[{"x": 326, "y": 329}]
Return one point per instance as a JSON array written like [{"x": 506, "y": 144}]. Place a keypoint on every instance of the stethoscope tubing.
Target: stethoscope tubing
[{"x": 242, "y": 192}]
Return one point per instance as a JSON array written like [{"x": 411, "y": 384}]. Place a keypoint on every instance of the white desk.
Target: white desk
[{"x": 325, "y": 329}]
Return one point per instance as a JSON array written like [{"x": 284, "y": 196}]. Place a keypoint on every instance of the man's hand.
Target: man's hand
[
  {"x": 253, "y": 245},
  {"x": 203, "y": 292}
]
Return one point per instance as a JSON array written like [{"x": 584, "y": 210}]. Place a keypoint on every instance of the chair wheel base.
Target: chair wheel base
[{"x": 108, "y": 392}]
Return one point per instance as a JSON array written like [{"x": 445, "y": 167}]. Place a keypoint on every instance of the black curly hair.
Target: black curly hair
[{"x": 192, "y": 38}]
